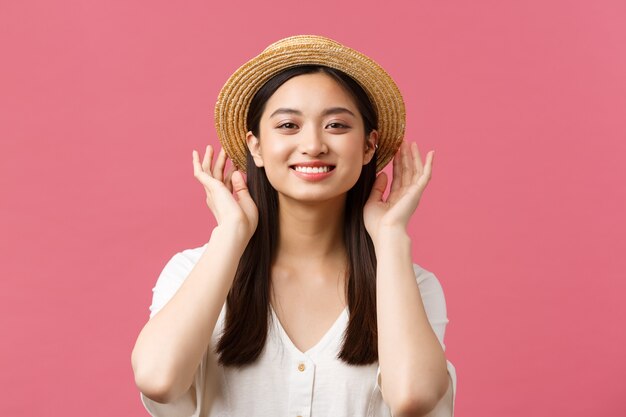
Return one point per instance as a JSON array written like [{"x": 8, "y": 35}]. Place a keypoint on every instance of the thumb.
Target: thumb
[
  {"x": 239, "y": 184},
  {"x": 378, "y": 188},
  {"x": 243, "y": 195}
]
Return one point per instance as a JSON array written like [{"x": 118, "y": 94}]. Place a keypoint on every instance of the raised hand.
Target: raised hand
[
  {"x": 226, "y": 195},
  {"x": 410, "y": 178}
]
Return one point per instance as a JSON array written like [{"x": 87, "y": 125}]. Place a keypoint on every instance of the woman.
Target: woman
[{"x": 304, "y": 301}]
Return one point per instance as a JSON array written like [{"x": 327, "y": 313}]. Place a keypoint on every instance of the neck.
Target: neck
[{"x": 310, "y": 234}]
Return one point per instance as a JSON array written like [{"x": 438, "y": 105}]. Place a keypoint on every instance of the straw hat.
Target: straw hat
[{"x": 234, "y": 99}]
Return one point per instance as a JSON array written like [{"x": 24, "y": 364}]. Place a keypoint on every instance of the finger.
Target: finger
[
  {"x": 208, "y": 159},
  {"x": 197, "y": 168},
  {"x": 428, "y": 169},
  {"x": 243, "y": 195},
  {"x": 407, "y": 165},
  {"x": 218, "y": 169},
  {"x": 417, "y": 161},
  {"x": 239, "y": 184},
  {"x": 378, "y": 189},
  {"x": 397, "y": 171},
  {"x": 196, "y": 164},
  {"x": 424, "y": 179},
  {"x": 228, "y": 178}
]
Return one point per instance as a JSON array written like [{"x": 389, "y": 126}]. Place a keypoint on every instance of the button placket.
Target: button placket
[{"x": 301, "y": 387}]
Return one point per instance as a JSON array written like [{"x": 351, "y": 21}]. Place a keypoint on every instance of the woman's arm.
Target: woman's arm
[
  {"x": 412, "y": 362},
  {"x": 170, "y": 346}
]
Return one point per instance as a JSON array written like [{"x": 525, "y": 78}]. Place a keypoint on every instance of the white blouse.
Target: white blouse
[{"x": 285, "y": 382}]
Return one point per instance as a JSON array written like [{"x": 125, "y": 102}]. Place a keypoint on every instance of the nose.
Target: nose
[{"x": 312, "y": 141}]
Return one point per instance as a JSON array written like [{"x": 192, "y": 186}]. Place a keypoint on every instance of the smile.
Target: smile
[{"x": 313, "y": 170}]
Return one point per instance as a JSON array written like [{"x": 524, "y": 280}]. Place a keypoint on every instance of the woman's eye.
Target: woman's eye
[
  {"x": 287, "y": 125},
  {"x": 336, "y": 125}
]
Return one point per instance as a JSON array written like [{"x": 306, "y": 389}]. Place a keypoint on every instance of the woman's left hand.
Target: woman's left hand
[{"x": 410, "y": 178}]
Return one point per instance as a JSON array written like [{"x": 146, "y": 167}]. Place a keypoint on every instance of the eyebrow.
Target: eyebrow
[{"x": 329, "y": 111}]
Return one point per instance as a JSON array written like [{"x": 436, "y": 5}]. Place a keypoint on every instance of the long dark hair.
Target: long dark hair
[{"x": 248, "y": 301}]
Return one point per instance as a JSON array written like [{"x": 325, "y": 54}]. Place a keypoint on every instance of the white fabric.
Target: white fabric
[{"x": 274, "y": 386}]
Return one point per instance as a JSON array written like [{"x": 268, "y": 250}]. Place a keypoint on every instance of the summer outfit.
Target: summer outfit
[{"x": 285, "y": 382}]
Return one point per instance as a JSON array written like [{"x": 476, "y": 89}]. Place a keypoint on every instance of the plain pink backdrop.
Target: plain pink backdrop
[{"x": 101, "y": 104}]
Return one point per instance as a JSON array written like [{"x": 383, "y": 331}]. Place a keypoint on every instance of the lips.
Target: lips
[
  {"x": 312, "y": 164},
  {"x": 315, "y": 170},
  {"x": 308, "y": 169}
]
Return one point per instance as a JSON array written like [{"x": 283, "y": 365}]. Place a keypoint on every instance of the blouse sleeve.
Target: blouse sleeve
[
  {"x": 195, "y": 401},
  {"x": 435, "y": 306},
  {"x": 176, "y": 270}
]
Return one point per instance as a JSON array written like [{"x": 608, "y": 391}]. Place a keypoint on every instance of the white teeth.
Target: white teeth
[{"x": 312, "y": 170}]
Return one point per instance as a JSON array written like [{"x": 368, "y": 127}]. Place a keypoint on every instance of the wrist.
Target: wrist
[
  {"x": 391, "y": 235},
  {"x": 231, "y": 235}
]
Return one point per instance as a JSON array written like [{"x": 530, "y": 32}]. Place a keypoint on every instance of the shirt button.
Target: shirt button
[{"x": 301, "y": 369}]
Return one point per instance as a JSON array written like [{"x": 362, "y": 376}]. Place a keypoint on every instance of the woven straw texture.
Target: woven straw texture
[{"x": 234, "y": 99}]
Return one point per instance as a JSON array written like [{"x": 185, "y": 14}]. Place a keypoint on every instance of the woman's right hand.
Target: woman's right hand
[{"x": 241, "y": 212}]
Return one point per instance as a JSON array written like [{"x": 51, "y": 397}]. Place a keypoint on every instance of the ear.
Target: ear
[
  {"x": 255, "y": 148},
  {"x": 370, "y": 147}
]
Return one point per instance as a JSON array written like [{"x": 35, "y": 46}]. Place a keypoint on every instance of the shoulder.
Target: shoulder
[
  {"x": 433, "y": 298},
  {"x": 426, "y": 280},
  {"x": 180, "y": 264},
  {"x": 174, "y": 273},
  {"x": 188, "y": 256}
]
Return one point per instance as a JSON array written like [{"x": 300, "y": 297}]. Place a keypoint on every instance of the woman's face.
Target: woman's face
[{"x": 311, "y": 120}]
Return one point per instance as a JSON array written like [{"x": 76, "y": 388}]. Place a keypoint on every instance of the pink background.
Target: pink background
[{"x": 101, "y": 104}]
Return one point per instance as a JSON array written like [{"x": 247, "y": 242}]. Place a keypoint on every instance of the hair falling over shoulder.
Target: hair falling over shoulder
[{"x": 248, "y": 301}]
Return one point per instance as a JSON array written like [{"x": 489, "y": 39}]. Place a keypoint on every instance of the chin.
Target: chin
[
  {"x": 292, "y": 188},
  {"x": 312, "y": 197}
]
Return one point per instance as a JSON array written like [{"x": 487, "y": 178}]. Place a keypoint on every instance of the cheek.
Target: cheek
[
  {"x": 351, "y": 157},
  {"x": 275, "y": 157},
  {"x": 355, "y": 152},
  {"x": 275, "y": 160},
  {"x": 275, "y": 150}
]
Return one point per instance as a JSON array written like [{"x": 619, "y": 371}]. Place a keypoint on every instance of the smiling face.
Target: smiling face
[{"x": 311, "y": 120}]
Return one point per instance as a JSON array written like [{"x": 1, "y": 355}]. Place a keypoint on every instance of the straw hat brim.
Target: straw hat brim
[{"x": 231, "y": 109}]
